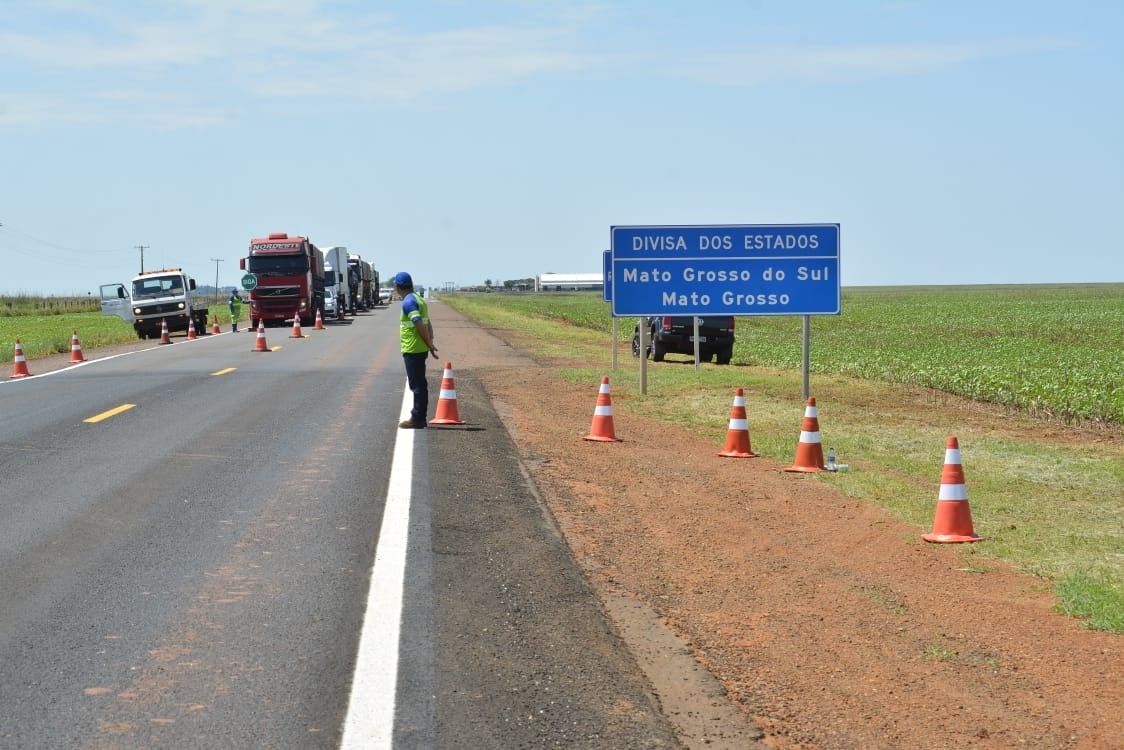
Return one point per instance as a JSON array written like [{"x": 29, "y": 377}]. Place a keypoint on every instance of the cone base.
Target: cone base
[
  {"x": 447, "y": 421},
  {"x": 738, "y": 454},
  {"x": 602, "y": 439},
  {"x": 19, "y": 375},
  {"x": 806, "y": 469},
  {"x": 950, "y": 538}
]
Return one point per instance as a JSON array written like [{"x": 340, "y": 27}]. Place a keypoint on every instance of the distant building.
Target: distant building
[{"x": 568, "y": 282}]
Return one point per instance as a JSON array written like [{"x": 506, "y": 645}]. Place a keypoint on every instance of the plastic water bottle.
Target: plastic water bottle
[{"x": 831, "y": 459}]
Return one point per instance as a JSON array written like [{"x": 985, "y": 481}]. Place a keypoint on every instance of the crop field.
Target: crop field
[
  {"x": 44, "y": 325},
  {"x": 1045, "y": 350},
  {"x": 1043, "y": 453}
]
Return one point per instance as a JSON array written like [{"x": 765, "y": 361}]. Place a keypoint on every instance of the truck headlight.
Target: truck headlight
[
  {"x": 136, "y": 311},
  {"x": 180, "y": 305}
]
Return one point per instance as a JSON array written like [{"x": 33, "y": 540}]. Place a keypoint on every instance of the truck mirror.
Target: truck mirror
[
  {"x": 120, "y": 292},
  {"x": 191, "y": 283},
  {"x": 242, "y": 263}
]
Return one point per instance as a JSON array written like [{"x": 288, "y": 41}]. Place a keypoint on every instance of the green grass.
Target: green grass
[
  {"x": 1046, "y": 356},
  {"x": 44, "y": 330},
  {"x": 40, "y": 335}
]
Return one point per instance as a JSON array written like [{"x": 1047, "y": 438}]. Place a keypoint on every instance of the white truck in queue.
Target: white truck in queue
[
  {"x": 336, "y": 288},
  {"x": 360, "y": 277},
  {"x": 153, "y": 298}
]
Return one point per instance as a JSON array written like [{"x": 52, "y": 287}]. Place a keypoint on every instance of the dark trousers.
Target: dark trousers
[{"x": 415, "y": 378}]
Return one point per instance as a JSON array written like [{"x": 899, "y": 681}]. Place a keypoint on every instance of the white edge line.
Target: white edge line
[
  {"x": 369, "y": 723},
  {"x": 76, "y": 365}
]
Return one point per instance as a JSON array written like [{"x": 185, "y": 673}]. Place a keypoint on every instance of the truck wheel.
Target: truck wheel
[
  {"x": 658, "y": 351},
  {"x": 724, "y": 355}
]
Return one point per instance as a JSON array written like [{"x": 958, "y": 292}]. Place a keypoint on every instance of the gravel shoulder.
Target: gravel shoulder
[{"x": 828, "y": 622}]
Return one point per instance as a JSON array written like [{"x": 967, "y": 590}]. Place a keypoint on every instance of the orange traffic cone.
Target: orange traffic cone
[
  {"x": 953, "y": 520},
  {"x": 296, "y": 334},
  {"x": 164, "y": 337},
  {"x": 447, "y": 403},
  {"x": 76, "y": 349},
  {"x": 602, "y": 428},
  {"x": 19, "y": 363},
  {"x": 737, "y": 436},
  {"x": 259, "y": 343},
  {"x": 215, "y": 330},
  {"x": 191, "y": 335},
  {"x": 319, "y": 325},
  {"x": 809, "y": 452}
]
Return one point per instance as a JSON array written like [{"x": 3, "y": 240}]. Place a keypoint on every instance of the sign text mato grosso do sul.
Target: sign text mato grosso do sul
[{"x": 744, "y": 269}]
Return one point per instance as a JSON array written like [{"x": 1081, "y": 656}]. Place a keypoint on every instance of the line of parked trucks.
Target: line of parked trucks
[{"x": 289, "y": 277}]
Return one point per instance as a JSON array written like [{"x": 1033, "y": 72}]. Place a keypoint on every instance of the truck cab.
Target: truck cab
[
  {"x": 335, "y": 281},
  {"x": 153, "y": 298}
]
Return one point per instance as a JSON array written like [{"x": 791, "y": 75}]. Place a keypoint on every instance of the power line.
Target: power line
[{"x": 84, "y": 251}]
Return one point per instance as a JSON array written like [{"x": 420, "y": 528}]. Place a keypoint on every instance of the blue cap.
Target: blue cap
[{"x": 403, "y": 279}]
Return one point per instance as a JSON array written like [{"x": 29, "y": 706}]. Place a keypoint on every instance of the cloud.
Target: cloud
[
  {"x": 400, "y": 66},
  {"x": 785, "y": 63},
  {"x": 266, "y": 48}
]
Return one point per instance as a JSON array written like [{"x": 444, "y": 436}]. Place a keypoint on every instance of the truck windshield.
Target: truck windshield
[
  {"x": 160, "y": 286},
  {"x": 278, "y": 265}
]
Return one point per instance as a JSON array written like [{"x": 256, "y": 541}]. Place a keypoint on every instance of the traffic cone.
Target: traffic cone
[
  {"x": 319, "y": 325},
  {"x": 191, "y": 335},
  {"x": 215, "y": 330},
  {"x": 602, "y": 428},
  {"x": 809, "y": 452},
  {"x": 447, "y": 403},
  {"x": 296, "y": 334},
  {"x": 19, "y": 363},
  {"x": 164, "y": 337},
  {"x": 737, "y": 436},
  {"x": 76, "y": 349},
  {"x": 953, "y": 519},
  {"x": 259, "y": 343}
]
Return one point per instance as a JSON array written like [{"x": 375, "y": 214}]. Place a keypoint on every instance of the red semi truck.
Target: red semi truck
[{"x": 290, "y": 279}]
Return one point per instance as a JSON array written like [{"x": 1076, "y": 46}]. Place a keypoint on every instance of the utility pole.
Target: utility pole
[
  {"x": 142, "y": 249},
  {"x": 217, "y": 295}
]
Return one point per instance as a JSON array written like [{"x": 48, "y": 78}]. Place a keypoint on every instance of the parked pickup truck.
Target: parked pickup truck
[{"x": 675, "y": 335}]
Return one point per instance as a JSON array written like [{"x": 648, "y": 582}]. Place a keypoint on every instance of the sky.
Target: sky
[{"x": 954, "y": 142}]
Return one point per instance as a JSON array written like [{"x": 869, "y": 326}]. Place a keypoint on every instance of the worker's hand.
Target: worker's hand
[{"x": 433, "y": 351}]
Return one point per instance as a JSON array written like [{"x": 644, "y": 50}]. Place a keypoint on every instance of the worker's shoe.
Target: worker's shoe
[{"x": 410, "y": 424}]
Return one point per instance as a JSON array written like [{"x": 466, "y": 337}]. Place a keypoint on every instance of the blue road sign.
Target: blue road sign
[
  {"x": 607, "y": 272},
  {"x": 743, "y": 269}
]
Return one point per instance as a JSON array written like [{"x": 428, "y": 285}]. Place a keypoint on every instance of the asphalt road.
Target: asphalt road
[{"x": 194, "y": 570}]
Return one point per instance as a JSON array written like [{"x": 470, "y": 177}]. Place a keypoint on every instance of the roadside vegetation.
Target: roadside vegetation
[
  {"x": 1029, "y": 378},
  {"x": 45, "y": 325}
]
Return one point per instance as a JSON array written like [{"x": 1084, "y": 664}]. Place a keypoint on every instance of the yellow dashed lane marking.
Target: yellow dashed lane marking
[
  {"x": 224, "y": 372},
  {"x": 110, "y": 413}
]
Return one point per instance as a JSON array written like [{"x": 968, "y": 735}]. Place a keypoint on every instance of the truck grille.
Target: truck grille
[
  {"x": 277, "y": 291},
  {"x": 160, "y": 309}
]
